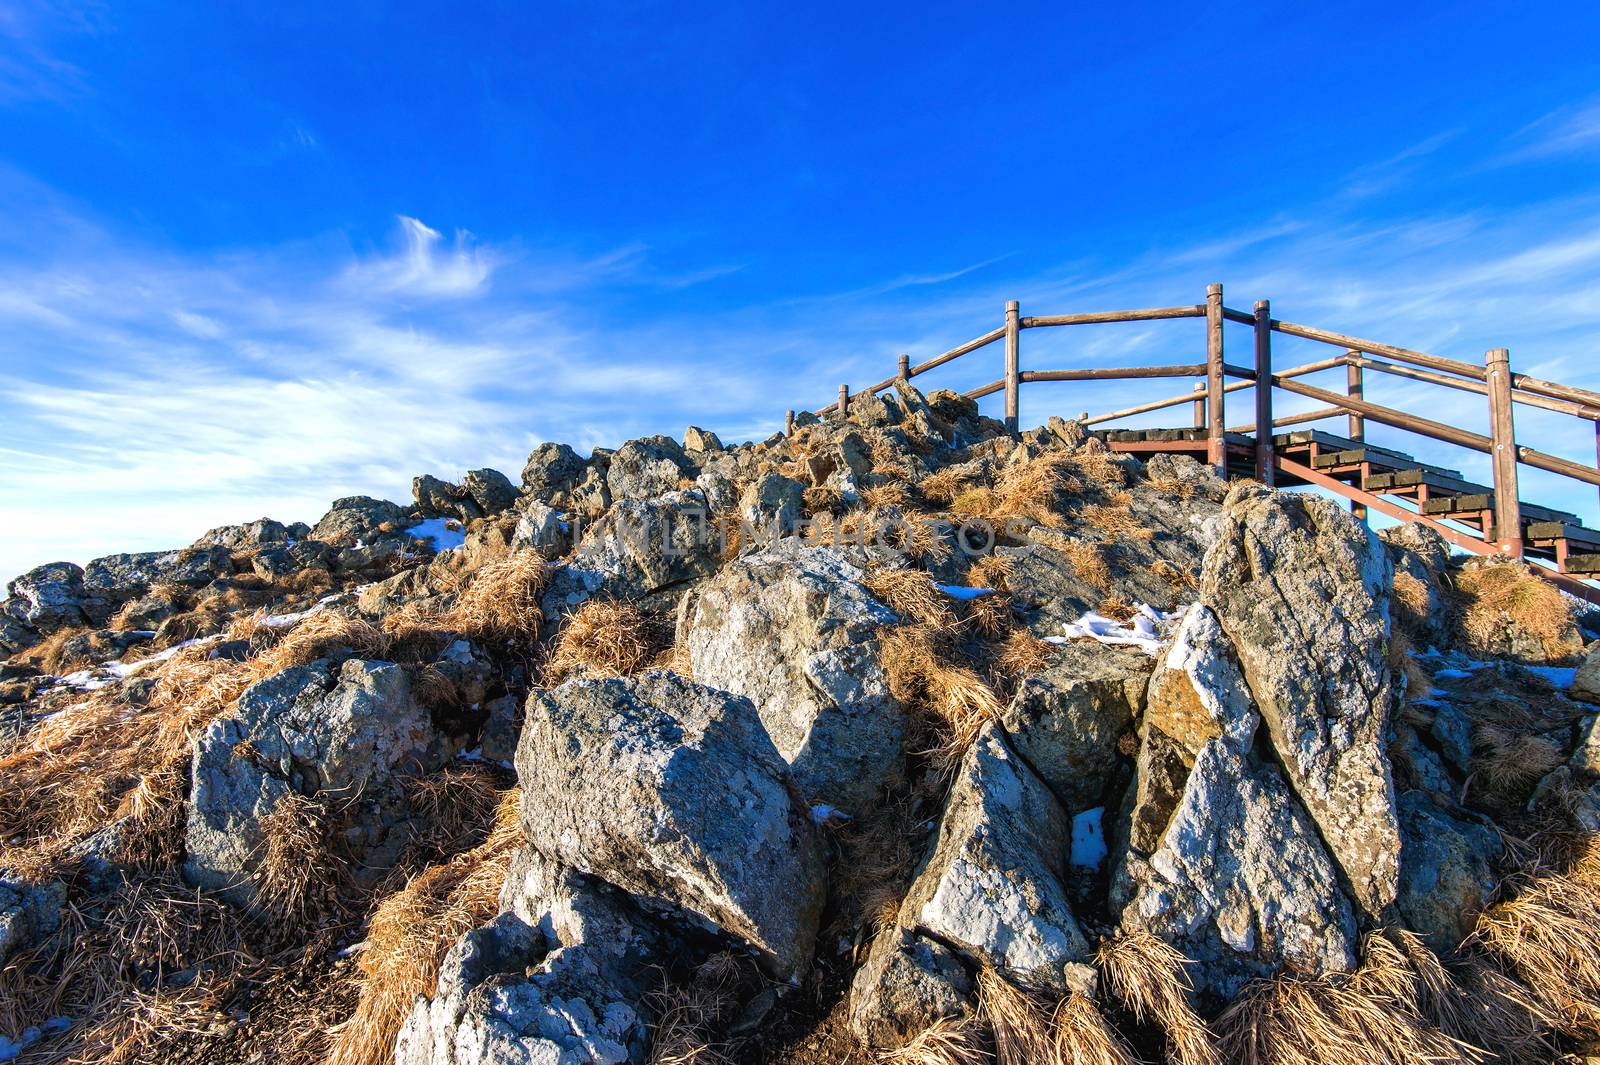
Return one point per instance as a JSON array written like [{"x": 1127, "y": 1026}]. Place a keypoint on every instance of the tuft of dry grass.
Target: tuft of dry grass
[
  {"x": 1509, "y": 761},
  {"x": 1089, "y": 562},
  {"x": 1117, "y": 608},
  {"x": 411, "y": 931},
  {"x": 1408, "y": 605},
  {"x": 911, "y": 594},
  {"x": 951, "y": 702},
  {"x": 1036, "y": 490},
  {"x": 606, "y": 638},
  {"x": 948, "y": 1041},
  {"x": 1100, "y": 468},
  {"x": 992, "y": 571},
  {"x": 453, "y": 808},
  {"x": 501, "y": 601},
  {"x": 822, "y": 499},
  {"x": 1023, "y": 653},
  {"x": 1028, "y": 1031},
  {"x": 1497, "y": 595},
  {"x": 301, "y": 873},
  {"x": 1147, "y": 975},
  {"x": 1116, "y": 521},
  {"x": 888, "y": 494},
  {"x": 690, "y": 1014},
  {"x": 322, "y": 634},
  {"x": 1083, "y": 1036},
  {"x": 1172, "y": 486},
  {"x": 877, "y": 855},
  {"x": 944, "y": 486}
]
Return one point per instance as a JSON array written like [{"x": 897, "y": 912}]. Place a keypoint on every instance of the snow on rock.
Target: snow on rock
[
  {"x": 956, "y": 591},
  {"x": 1088, "y": 839},
  {"x": 1145, "y": 630},
  {"x": 446, "y": 533}
]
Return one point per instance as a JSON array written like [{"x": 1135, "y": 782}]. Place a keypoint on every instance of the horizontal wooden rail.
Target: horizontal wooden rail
[
  {"x": 1241, "y": 317},
  {"x": 1570, "y": 393},
  {"x": 1242, "y": 372},
  {"x": 1390, "y": 416},
  {"x": 987, "y": 390},
  {"x": 1115, "y": 373},
  {"x": 1148, "y": 314},
  {"x": 1560, "y": 406},
  {"x": 1539, "y": 460},
  {"x": 1372, "y": 347},
  {"x": 1189, "y": 397},
  {"x": 956, "y": 352},
  {"x": 1317, "y": 415}
]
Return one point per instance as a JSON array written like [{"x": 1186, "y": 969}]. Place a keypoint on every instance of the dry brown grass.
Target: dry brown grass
[
  {"x": 690, "y": 1014},
  {"x": 992, "y": 571},
  {"x": 322, "y": 634},
  {"x": 1408, "y": 605},
  {"x": 821, "y": 499},
  {"x": 501, "y": 602},
  {"x": 948, "y": 1041},
  {"x": 1495, "y": 595},
  {"x": 1101, "y": 469},
  {"x": 877, "y": 854},
  {"x": 1083, "y": 1036},
  {"x": 52, "y": 655},
  {"x": 1116, "y": 521},
  {"x": 1172, "y": 486},
  {"x": 605, "y": 638},
  {"x": 944, "y": 486},
  {"x": 911, "y": 594},
  {"x": 1147, "y": 975},
  {"x": 1023, "y": 653},
  {"x": 411, "y": 931},
  {"x": 1118, "y": 609},
  {"x": 453, "y": 808},
  {"x": 950, "y": 701},
  {"x": 1027, "y": 1030},
  {"x": 989, "y": 615},
  {"x": 1036, "y": 490},
  {"x": 1089, "y": 562},
  {"x": 1509, "y": 762},
  {"x": 888, "y": 494},
  {"x": 1545, "y": 934},
  {"x": 301, "y": 873}
]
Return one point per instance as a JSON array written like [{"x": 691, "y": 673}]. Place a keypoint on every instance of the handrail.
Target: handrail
[{"x": 1494, "y": 380}]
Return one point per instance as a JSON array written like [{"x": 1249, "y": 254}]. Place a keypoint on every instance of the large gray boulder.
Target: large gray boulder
[
  {"x": 992, "y": 888},
  {"x": 649, "y": 467},
  {"x": 793, "y": 630},
  {"x": 113, "y": 580},
  {"x": 1067, "y": 720},
  {"x": 356, "y": 518},
  {"x": 490, "y": 489},
  {"x": 559, "y": 976},
  {"x": 772, "y": 506},
  {"x": 638, "y": 549},
  {"x": 1586, "y": 681},
  {"x": 1301, "y": 588},
  {"x": 347, "y": 733},
  {"x": 907, "y": 984},
  {"x": 551, "y": 472},
  {"x": 1446, "y": 871},
  {"x": 437, "y": 498},
  {"x": 673, "y": 792},
  {"x": 47, "y": 598},
  {"x": 541, "y": 528},
  {"x": 247, "y": 534}
]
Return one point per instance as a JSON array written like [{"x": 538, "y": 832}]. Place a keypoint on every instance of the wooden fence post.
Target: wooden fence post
[
  {"x": 844, "y": 402},
  {"x": 1013, "y": 382},
  {"x": 788, "y": 422},
  {"x": 1502, "y": 431},
  {"x": 1199, "y": 404},
  {"x": 1266, "y": 472},
  {"x": 1216, "y": 422},
  {"x": 1355, "y": 388},
  {"x": 905, "y": 366}
]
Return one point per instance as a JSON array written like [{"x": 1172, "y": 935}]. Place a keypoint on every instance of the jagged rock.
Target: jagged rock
[
  {"x": 1197, "y": 693},
  {"x": 28, "y": 913},
  {"x": 14, "y": 635},
  {"x": 637, "y": 550},
  {"x": 916, "y": 416},
  {"x": 540, "y": 528},
  {"x": 1419, "y": 767},
  {"x": 698, "y": 439},
  {"x": 906, "y": 985},
  {"x": 1452, "y": 731},
  {"x": 773, "y": 506},
  {"x": 440, "y": 499},
  {"x": 1586, "y": 753},
  {"x": 501, "y": 728},
  {"x": 490, "y": 489},
  {"x": 558, "y": 977},
  {"x": 1198, "y": 477},
  {"x": 1067, "y": 720},
  {"x": 47, "y": 597},
  {"x": 280, "y": 560},
  {"x": 1421, "y": 555},
  {"x": 646, "y": 468},
  {"x": 1446, "y": 871},
  {"x": 1240, "y": 881},
  {"x": 346, "y": 732},
  {"x": 551, "y": 472},
  {"x": 792, "y": 629},
  {"x": 249, "y": 534},
  {"x": 1586, "y": 681},
  {"x": 868, "y": 409},
  {"x": 356, "y": 518},
  {"x": 673, "y": 792},
  {"x": 1301, "y": 589},
  {"x": 841, "y": 466},
  {"x": 992, "y": 887}
]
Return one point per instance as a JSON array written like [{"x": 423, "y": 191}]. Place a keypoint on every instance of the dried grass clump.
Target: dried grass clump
[
  {"x": 1100, "y": 468},
  {"x": 1545, "y": 934},
  {"x": 990, "y": 615},
  {"x": 606, "y": 638},
  {"x": 822, "y": 499},
  {"x": 888, "y": 494},
  {"x": 1147, "y": 975},
  {"x": 410, "y": 932},
  {"x": 1118, "y": 609},
  {"x": 322, "y": 634},
  {"x": 690, "y": 1014},
  {"x": 52, "y": 655},
  {"x": 1509, "y": 762},
  {"x": 1023, "y": 653},
  {"x": 301, "y": 873},
  {"x": 992, "y": 571},
  {"x": 877, "y": 855},
  {"x": 911, "y": 594},
  {"x": 1036, "y": 490},
  {"x": 501, "y": 602},
  {"x": 1497, "y": 596},
  {"x": 952, "y": 702},
  {"x": 1089, "y": 561},
  {"x": 948, "y": 1041},
  {"x": 453, "y": 809},
  {"x": 1116, "y": 521},
  {"x": 1180, "y": 579},
  {"x": 1027, "y": 1031},
  {"x": 944, "y": 486},
  {"x": 1173, "y": 486},
  {"x": 1408, "y": 605}
]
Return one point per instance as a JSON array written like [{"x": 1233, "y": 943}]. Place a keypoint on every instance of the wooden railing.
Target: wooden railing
[{"x": 1502, "y": 388}]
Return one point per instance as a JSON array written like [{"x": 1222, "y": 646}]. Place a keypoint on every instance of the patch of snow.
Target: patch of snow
[
  {"x": 823, "y": 814},
  {"x": 956, "y": 591},
  {"x": 1088, "y": 839},
  {"x": 1560, "y": 676},
  {"x": 1144, "y": 630},
  {"x": 446, "y": 533}
]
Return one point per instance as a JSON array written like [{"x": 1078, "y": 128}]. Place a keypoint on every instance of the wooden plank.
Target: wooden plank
[
  {"x": 1372, "y": 347},
  {"x": 1216, "y": 420},
  {"x": 1148, "y": 314},
  {"x": 1502, "y": 431},
  {"x": 1266, "y": 472},
  {"x": 958, "y": 351},
  {"x": 1389, "y": 416},
  {"x": 1013, "y": 357},
  {"x": 1583, "y": 562},
  {"x": 1563, "y": 530},
  {"x": 1116, "y": 373}
]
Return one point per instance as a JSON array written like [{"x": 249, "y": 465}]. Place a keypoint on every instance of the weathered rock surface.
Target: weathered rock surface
[
  {"x": 490, "y": 489},
  {"x": 345, "y": 733},
  {"x": 1067, "y": 720},
  {"x": 356, "y": 518},
  {"x": 1586, "y": 681},
  {"x": 646, "y": 468},
  {"x": 552, "y": 471},
  {"x": 639, "y": 549},
  {"x": 907, "y": 984},
  {"x": 772, "y": 506},
  {"x": 540, "y": 528},
  {"x": 1446, "y": 871},
  {"x": 992, "y": 887},
  {"x": 673, "y": 792},
  {"x": 48, "y": 597},
  {"x": 793, "y": 630},
  {"x": 28, "y": 913},
  {"x": 1301, "y": 589}
]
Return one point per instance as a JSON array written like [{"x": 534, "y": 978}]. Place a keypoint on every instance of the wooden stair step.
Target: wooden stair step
[
  {"x": 1448, "y": 482},
  {"x": 1573, "y": 533},
  {"x": 1584, "y": 563},
  {"x": 1532, "y": 513}
]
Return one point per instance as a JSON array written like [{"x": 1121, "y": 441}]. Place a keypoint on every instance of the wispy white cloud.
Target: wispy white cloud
[
  {"x": 424, "y": 265},
  {"x": 1561, "y": 132}
]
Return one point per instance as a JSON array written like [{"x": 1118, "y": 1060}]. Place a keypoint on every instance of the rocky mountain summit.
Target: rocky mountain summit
[{"x": 890, "y": 738}]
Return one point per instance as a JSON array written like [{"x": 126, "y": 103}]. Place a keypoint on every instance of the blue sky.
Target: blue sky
[{"x": 260, "y": 256}]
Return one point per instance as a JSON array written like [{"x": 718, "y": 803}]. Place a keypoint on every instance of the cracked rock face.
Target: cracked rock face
[
  {"x": 673, "y": 792},
  {"x": 639, "y": 549},
  {"x": 1301, "y": 590},
  {"x": 992, "y": 887},
  {"x": 793, "y": 630}
]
